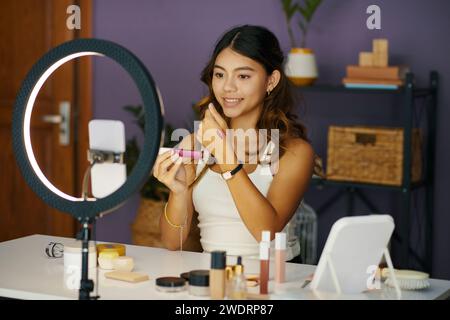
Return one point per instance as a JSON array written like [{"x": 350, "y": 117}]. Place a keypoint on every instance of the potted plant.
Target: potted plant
[
  {"x": 154, "y": 194},
  {"x": 301, "y": 66}
]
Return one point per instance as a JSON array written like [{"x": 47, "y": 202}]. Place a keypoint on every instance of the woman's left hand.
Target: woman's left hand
[{"x": 211, "y": 134}]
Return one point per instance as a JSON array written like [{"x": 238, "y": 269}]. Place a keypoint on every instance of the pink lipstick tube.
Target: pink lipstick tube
[
  {"x": 191, "y": 154},
  {"x": 280, "y": 257}
]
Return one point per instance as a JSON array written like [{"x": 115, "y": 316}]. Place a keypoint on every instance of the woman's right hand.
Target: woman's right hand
[{"x": 169, "y": 170}]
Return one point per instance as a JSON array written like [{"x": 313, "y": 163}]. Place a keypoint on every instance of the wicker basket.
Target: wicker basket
[
  {"x": 371, "y": 155},
  {"x": 145, "y": 228}
]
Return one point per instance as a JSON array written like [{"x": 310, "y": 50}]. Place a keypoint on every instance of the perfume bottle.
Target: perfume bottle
[{"x": 238, "y": 282}]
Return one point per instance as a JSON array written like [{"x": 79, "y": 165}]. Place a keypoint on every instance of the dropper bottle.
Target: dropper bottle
[{"x": 238, "y": 285}]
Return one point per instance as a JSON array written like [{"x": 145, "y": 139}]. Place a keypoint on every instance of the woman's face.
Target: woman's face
[{"x": 239, "y": 83}]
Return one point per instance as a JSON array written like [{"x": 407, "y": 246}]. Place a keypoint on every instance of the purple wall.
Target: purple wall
[{"x": 174, "y": 40}]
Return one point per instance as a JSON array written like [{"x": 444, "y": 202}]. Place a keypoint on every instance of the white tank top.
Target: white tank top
[{"x": 221, "y": 226}]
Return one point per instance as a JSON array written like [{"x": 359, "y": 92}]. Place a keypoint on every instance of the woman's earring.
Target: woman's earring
[{"x": 268, "y": 92}]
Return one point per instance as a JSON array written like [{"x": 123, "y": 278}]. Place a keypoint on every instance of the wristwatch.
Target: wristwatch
[{"x": 227, "y": 175}]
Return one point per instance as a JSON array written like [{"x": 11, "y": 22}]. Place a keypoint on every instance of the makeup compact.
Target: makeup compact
[
  {"x": 252, "y": 280},
  {"x": 170, "y": 284},
  {"x": 72, "y": 255},
  {"x": 199, "y": 282},
  {"x": 105, "y": 260},
  {"x": 185, "y": 276},
  {"x": 111, "y": 247},
  {"x": 123, "y": 263}
]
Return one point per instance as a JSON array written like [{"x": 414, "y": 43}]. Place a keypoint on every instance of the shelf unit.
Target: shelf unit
[{"x": 408, "y": 94}]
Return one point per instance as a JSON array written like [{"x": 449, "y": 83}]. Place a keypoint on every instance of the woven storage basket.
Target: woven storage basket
[
  {"x": 371, "y": 155},
  {"x": 145, "y": 228}
]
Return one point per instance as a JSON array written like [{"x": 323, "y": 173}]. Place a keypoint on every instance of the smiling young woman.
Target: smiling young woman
[{"x": 236, "y": 199}]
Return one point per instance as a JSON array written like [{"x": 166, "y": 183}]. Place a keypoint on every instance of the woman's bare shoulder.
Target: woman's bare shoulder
[
  {"x": 298, "y": 147},
  {"x": 298, "y": 154}
]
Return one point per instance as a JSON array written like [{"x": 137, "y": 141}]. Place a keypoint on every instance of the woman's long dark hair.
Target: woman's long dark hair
[{"x": 261, "y": 45}]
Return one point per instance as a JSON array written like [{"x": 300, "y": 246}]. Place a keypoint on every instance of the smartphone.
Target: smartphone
[{"x": 107, "y": 136}]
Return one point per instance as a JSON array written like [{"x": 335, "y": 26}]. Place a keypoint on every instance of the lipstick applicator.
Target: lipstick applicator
[
  {"x": 264, "y": 267},
  {"x": 191, "y": 154},
  {"x": 280, "y": 257}
]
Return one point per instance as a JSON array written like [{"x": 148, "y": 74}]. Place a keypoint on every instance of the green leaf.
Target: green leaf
[
  {"x": 286, "y": 5},
  {"x": 305, "y": 13},
  {"x": 311, "y": 7},
  {"x": 289, "y": 8},
  {"x": 131, "y": 154},
  {"x": 302, "y": 26},
  {"x": 134, "y": 110},
  {"x": 292, "y": 11}
]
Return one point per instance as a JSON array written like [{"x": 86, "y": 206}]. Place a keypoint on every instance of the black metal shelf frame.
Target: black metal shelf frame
[{"x": 354, "y": 189}]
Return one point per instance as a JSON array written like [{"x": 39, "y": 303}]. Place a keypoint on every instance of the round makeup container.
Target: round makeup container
[
  {"x": 123, "y": 263},
  {"x": 105, "y": 260},
  {"x": 72, "y": 255},
  {"x": 170, "y": 284},
  {"x": 199, "y": 282},
  {"x": 185, "y": 276}
]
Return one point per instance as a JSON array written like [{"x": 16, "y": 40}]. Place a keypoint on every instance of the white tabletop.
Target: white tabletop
[{"x": 27, "y": 273}]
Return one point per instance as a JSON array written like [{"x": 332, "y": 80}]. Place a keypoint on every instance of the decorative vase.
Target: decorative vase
[
  {"x": 146, "y": 232},
  {"x": 301, "y": 67}
]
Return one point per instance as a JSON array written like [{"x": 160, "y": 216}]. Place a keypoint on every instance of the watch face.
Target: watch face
[{"x": 226, "y": 175}]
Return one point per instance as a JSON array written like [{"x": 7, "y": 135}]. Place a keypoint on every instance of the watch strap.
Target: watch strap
[{"x": 229, "y": 174}]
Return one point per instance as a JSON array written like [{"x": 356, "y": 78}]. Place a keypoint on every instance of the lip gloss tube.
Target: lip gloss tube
[
  {"x": 264, "y": 267},
  {"x": 280, "y": 257},
  {"x": 265, "y": 236}
]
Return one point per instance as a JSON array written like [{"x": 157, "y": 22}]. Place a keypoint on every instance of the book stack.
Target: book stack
[{"x": 373, "y": 71}]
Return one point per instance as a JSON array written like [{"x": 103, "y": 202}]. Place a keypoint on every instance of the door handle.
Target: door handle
[
  {"x": 52, "y": 118},
  {"x": 63, "y": 119}
]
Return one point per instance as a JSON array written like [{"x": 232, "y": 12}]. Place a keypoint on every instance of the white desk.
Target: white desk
[{"x": 27, "y": 273}]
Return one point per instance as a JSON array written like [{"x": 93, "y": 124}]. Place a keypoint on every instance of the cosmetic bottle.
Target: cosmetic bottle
[
  {"x": 264, "y": 267},
  {"x": 217, "y": 274},
  {"x": 265, "y": 236},
  {"x": 280, "y": 257},
  {"x": 229, "y": 273},
  {"x": 238, "y": 283}
]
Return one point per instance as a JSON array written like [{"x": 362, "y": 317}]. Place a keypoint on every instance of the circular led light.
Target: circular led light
[{"x": 23, "y": 108}]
